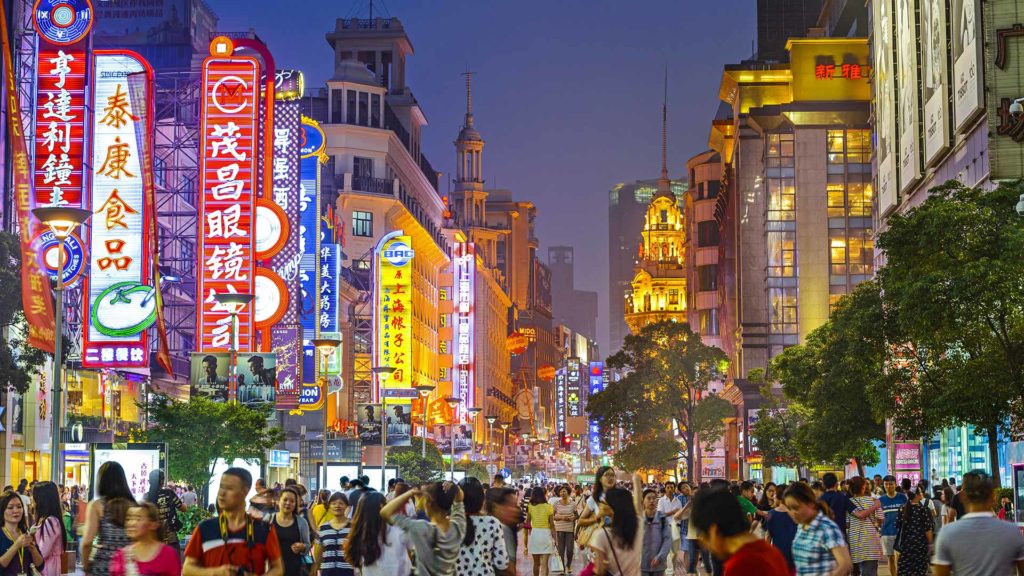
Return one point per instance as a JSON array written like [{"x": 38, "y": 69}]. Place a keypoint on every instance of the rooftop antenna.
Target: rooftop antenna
[
  {"x": 664, "y": 129},
  {"x": 469, "y": 96}
]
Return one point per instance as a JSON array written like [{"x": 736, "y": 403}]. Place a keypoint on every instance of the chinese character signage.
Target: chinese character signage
[
  {"x": 60, "y": 126},
  {"x": 312, "y": 142},
  {"x": 287, "y": 348},
  {"x": 464, "y": 328},
  {"x": 119, "y": 305},
  {"x": 392, "y": 269},
  {"x": 560, "y": 401},
  {"x": 573, "y": 390},
  {"x": 597, "y": 384},
  {"x": 226, "y": 252},
  {"x": 845, "y": 71}
]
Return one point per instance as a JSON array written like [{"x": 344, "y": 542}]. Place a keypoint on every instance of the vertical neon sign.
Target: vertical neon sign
[{"x": 465, "y": 278}]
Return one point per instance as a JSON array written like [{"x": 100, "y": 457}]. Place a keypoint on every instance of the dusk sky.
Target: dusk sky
[{"x": 567, "y": 93}]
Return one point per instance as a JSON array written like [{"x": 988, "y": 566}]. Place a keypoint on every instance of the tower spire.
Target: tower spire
[
  {"x": 664, "y": 184},
  {"x": 469, "y": 97}
]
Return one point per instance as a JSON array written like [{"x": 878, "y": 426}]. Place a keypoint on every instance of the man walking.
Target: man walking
[
  {"x": 978, "y": 544},
  {"x": 668, "y": 505},
  {"x": 892, "y": 502},
  {"x": 838, "y": 502}
]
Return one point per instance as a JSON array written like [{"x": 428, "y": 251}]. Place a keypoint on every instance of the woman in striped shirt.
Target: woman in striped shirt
[
  {"x": 330, "y": 551},
  {"x": 862, "y": 528}
]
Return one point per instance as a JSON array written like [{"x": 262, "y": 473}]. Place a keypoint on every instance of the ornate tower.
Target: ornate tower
[{"x": 659, "y": 285}]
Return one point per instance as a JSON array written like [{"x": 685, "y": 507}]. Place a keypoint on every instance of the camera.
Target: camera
[{"x": 1017, "y": 109}]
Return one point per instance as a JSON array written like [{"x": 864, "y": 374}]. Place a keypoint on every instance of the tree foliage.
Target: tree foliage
[
  {"x": 199, "y": 431},
  {"x": 658, "y": 453},
  {"x": 18, "y": 361},
  {"x": 709, "y": 417},
  {"x": 775, "y": 431},
  {"x": 413, "y": 468},
  {"x": 668, "y": 371}
]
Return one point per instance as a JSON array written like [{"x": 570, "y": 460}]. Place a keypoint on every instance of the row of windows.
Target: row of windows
[{"x": 356, "y": 108}]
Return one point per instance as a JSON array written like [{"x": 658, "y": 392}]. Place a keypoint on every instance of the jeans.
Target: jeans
[
  {"x": 695, "y": 550},
  {"x": 565, "y": 543},
  {"x": 868, "y": 568}
]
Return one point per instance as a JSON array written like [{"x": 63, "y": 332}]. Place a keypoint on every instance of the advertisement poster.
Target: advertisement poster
[
  {"x": 399, "y": 425},
  {"x": 209, "y": 376},
  {"x": 885, "y": 94},
  {"x": 934, "y": 81},
  {"x": 369, "y": 420},
  {"x": 908, "y": 95},
  {"x": 255, "y": 377},
  {"x": 138, "y": 460},
  {"x": 967, "y": 65},
  {"x": 463, "y": 438}
]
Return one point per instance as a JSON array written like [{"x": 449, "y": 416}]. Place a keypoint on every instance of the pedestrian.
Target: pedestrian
[
  {"x": 838, "y": 502},
  {"x": 818, "y": 548},
  {"x": 767, "y": 500},
  {"x": 685, "y": 493},
  {"x": 618, "y": 543},
  {"x": 105, "y": 520},
  {"x": 263, "y": 502},
  {"x": 293, "y": 533},
  {"x": 168, "y": 503},
  {"x": 329, "y": 553},
  {"x": 373, "y": 546},
  {"x": 978, "y": 544},
  {"x": 697, "y": 553},
  {"x": 233, "y": 541},
  {"x": 668, "y": 505},
  {"x": 437, "y": 541},
  {"x": 723, "y": 529},
  {"x": 319, "y": 511},
  {"x": 914, "y": 533},
  {"x": 18, "y": 550},
  {"x": 148, "y": 554},
  {"x": 483, "y": 550},
  {"x": 189, "y": 497},
  {"x": 502, "y": 504},
  {"x": 657, "y": 536},
  {"x": 948, "y": 512},
  {"x": 50, "y": 532},
  {"x": 604, "y": 480},
  {"x": 892, "y": 502},
  {"x": 781, "y": 528},
  {"x": 862, "y": 531},
  {"x": 540, "y": 544},
  {"x": 565, "y": 525}
]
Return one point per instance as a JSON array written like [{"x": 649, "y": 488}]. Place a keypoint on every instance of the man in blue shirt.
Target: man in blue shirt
[
  {"x": 838, "y": 502},
  {"x": 891, "y": 502}
]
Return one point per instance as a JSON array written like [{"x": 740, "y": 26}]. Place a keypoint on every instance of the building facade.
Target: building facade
[
  {"x": 706, "y": 262},
  {"x": 572, "y": 307}
]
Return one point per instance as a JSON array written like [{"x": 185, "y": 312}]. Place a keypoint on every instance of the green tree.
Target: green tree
[
  {"x": 18, "y": 361},
  {"x": 668, "y": 372},
  {"x": 476, "y": 470},
  {"x": 200, "y": 431},
  {"x": 776, "y": 428},
  {"x": 414, "y": 468},
  {"x": 952, "y": 293},
  {"x": 658, "y": 453},
  {"x": 709, "y": 417}
]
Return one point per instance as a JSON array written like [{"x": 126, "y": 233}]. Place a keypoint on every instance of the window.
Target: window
[
  {"x": 860, "y": 193},
  {"x": 364, "y": 108},
  {"x": 781, "y": 199},
  {"x": 781, "y": 254},
  {"x": 712, "y": 187},
  {"x": 782, "y": 310},
  {"x": 350, "y": 107},
  {"x": 664, "y": 216},
  {"x": 707, "y": 278},
  {"x": 836, "y": 199},
  {"x": 837, "y": 252},
  {"x": 375, "y": 111},
  {"x": 336, "y": 106},
  {"x": 673, "y": 297},
  {"x": 707, "y": 233},
  {"x": 362, "y": 224},
  {"x": 361, "y": 264},
  {"x": 362, "y": 167},
  {"x": 709, "y": 322}
]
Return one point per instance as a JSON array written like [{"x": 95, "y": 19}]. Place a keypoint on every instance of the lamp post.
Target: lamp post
[
  {"x": 453, "y": 403},
  {"x": 424, "y": 390},
  {"x": 472, "y": 444},
  {"x": 491, "y": 419},
  {"x": 504, "y": 442},
  {"x": 383, "y": 371},
  {"x": 62, "y": 222},
  {"x": 325, "y": 346},
  {"x": 234, "y": 303}
]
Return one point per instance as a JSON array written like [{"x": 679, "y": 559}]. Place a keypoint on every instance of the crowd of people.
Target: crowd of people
[{"x": 610, "y": 528}]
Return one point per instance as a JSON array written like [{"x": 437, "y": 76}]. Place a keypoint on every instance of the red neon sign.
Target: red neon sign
[
  {"x": 228, "y": 171},
  {"x": 60, "y": 127}
]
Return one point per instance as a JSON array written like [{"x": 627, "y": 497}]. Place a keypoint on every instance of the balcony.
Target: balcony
[{"x": 349, "y": 182}]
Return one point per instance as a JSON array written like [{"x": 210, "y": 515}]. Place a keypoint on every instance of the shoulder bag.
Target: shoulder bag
[{"x": 611, "y": 544}]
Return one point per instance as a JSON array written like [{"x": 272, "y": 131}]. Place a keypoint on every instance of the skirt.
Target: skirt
[{"x": 541, "y": 541}]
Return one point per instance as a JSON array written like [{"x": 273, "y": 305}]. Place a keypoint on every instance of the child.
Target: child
[{"x": 147, "y": 555}]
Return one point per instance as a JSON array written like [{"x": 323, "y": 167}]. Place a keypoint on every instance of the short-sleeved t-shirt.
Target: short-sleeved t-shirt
[
  {"x": 812, "y": 547},
  {"x": 437, "y": 553},
  {"x": 629, "y": 558},
  {"x": 210, "y": 549},
  {"x": 747, "y": 506},
  {"x": 840, "y": 505},
  {"x": 165, "y": 563},
  {"x": 540, "y": 515},
  {"x": 564, "y": 510},
  {"x": 891, "y": 510},
  {"x": 782, "y": 530},
  {"x": 168, "y": 503},
  {"x": 757, "y": 557},
  {"x": 961, "y": 543}
]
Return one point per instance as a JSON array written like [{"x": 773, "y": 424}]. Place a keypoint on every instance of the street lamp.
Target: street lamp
[
  {"x": 491, "y": 419},
  {"x": 472, "y": 445},
  {"x": 453, "y": 403},
  {"x": 326, "y": 346},
  {"x": 383, "y": 371},
  {"x": 424, "y": 390},
  {"x": 62, "y": 222}
]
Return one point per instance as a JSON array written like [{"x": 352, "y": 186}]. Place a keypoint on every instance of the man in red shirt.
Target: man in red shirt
[
  {"x": 233, "y": 543},
  {"x": 722, "y": 528}
]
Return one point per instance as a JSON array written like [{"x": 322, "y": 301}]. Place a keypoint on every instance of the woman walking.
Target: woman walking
[
  {"x": 483, "y": 548},
  {"x": 292, "y": 533},
  {"x": 565, "y": 524},
  {"x": 618, "y": 544},
  {"x": 51, "y": 533},
  {"x": 657, "y": 537},
  {"x": 862, "y": 530},
  {"x": 329, "y": 556},
  {"x": 541, "y": 543},
  {"x": 375, "y": 547},
  {"x": 148, "y": 554},
  {"x": 819, "y": 548},
  {"x": 437, "y": 541},
  {"x": 168, "y": 503},
  {"x": 914, "y": 529},
  {"x": 18, "y": 551},
  {"x": 781, "y": 529},
  {"x": 105, "y": 520}
]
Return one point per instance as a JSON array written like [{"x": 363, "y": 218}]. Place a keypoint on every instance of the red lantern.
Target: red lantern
[
  {"x": 516, "y": 343},
  {"x": 546, "y": 373}
]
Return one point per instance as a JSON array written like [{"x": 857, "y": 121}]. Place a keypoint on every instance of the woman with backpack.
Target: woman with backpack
[{"x": 168, "y": 503}]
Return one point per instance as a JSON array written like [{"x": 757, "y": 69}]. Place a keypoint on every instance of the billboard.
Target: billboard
[
  {"x": 1004, "y": 80},
  {"x": 596, "y": 384},
  {"x": 934, "y": 78},
  {"x": 138, "y": 460},
  {"x": 227, "y": 171},
  {"x": 119, "y": 305},
  {"x": 285, "y": 339},
  {"x": 255, "y": 381},
  {"x": 465, "y": 324},
  {"x": 60, "y": 125},
  {"x": 907, "y": 94},
  {"x": 369, "y": 421},
  {"x": 399, "y": 424},
  {"x": 968, "y": 86},
  {"x": 311, "y": 157},
  {"x": 560, "y": 396},
  {"x": 393, "y": 305},
  {"x": 885, "y": 102}
]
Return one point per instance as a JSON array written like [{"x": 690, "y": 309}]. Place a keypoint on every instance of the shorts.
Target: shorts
[{"x": 888, "y": 545}]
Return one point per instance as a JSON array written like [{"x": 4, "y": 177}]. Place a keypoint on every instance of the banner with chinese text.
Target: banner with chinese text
[{"x": 392, "y": 269}]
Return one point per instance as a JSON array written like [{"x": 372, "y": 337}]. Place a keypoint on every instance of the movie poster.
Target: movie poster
[
  {"x": 399, "y": 420},
  {"x": 254, "y": 383},
  {"x": 368, "y": 417}
]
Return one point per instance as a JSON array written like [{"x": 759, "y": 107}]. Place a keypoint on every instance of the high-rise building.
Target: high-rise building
[
  {"x": 705, "y": 265},
  {"x": 576, "y": 309},
  {"x": 780, "y": 20}
]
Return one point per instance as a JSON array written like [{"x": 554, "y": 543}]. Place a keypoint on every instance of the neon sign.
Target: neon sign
[
  {"x": 227, "y": 171},
  {"x": 392, "y": 319},
  {"x": 465, "y": 277},
  {"x": 118, "y": 304}
]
